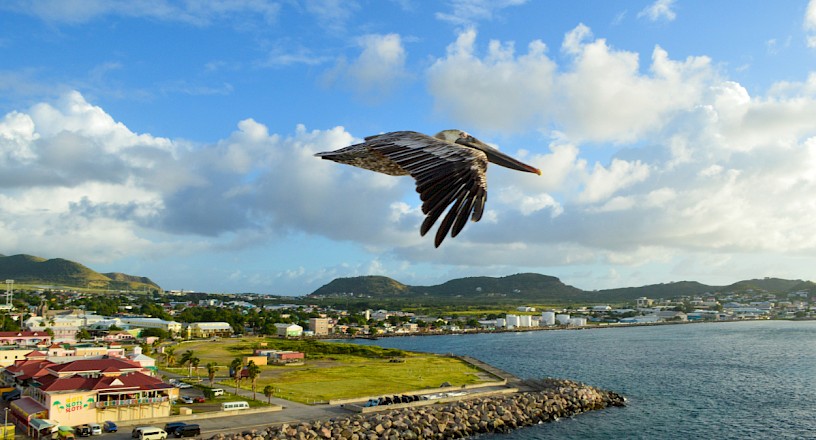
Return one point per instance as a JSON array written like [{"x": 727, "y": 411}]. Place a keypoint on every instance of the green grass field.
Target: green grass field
[{"x": 328, "y": 375}]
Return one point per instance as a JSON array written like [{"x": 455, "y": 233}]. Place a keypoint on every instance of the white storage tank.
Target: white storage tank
[
  {"x": 577, "y": 322},
  {"x": 563, "y": 318},
  {"x": 548, "y": 318},
  {"x": 525, "y": 321},
  {"x": 501, "y": 323}
]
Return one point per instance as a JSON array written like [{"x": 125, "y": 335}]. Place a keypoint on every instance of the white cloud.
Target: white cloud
[
  {"x": 500, "y": 91},
  {"x": 602, "y": 182},
  {"x": 467, "y": 12},
  {"x": 659, "y": 10},
  {"x": 602, "y": 96},
  {"x": 380, "y": 67},
  {"x": 810, "y": 23}
]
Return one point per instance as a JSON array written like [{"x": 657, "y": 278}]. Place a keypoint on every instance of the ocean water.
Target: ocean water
[{"x": 735, "y": 380}]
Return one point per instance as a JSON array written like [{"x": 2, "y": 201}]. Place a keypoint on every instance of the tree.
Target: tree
[
  {"x": 253, "y": 371},
  {"x": 186, "y": 358},
  {"x": 147, "y": 349},
  {"x": 212, "y": 368},
  {"x": 194, "y": 362},
  {"x": 235, "y": 368},
  {"x": 169, "y": 355},
  {"x": 268, "y": 391},
  {"x": 83, "y": 334}
]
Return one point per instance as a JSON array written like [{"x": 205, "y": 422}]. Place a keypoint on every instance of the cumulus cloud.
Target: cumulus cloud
[
  {"x": 376, "y": 72},
  {"x": 500, "y": 91},
  {"x": 698, "y": 164},
  {"x": 810, "y": 23},
  {"x": 659, "y": 10},
  {"x": 601, "y": 96}
]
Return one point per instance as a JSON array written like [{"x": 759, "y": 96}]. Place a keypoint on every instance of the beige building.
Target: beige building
[
  {"x": 319, "y": 326},
  {"x": 206, "y": 330}
]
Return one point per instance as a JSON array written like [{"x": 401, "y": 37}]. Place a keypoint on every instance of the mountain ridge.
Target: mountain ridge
[
  {"x": 536, "y": 287},
  {"x": 30, "y": 269}
]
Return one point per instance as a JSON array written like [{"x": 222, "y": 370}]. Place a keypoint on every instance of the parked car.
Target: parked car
[
  {"x": 96, "y": 428},
  {"x": 82, "y": 431},
  {"x": 199, "y": 399},
  {"x": 182, "y": 385},
  {"x": 65, "y": 433},
  {"x": 109, "y": 427},
  {"x": 190, "y": 430},
  {"x": 171, "y": 427},
  {"x": 14, "y": 394},
  {"x": 152, "y": 433},
  {"x": 185, "y": 399}
]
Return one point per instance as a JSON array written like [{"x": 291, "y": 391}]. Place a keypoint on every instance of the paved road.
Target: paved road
[{"x": 292, "y": 412}]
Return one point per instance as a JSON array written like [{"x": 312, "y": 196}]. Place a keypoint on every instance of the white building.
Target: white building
[
  {"x": 288, "y": 330},
  {"x": 141, "y": 322}
]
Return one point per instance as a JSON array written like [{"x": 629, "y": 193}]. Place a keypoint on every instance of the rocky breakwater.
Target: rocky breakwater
[{"x": 550, "y": 400}]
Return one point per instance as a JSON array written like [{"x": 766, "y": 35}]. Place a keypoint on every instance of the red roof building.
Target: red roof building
[
  {"x": 25, "y": 338},
  {"x": 91, "y": 390}
]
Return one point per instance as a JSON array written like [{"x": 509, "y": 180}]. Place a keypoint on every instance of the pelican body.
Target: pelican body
[{"x": 449, "y": 169}]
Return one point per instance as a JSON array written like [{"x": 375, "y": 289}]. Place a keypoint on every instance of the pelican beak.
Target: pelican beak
[{"x": 496, "y": 156}]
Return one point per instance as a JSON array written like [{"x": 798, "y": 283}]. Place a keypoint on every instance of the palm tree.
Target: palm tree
[
  {"x": 186, "y": 357},
  {"x": 253, "y": 371},
  {"x": 194, "y": 362},
  {"x": 235, "y": 366},
  {"x": 268, "y": 391},
  {"x": 170, "y": 355},
  {"x": 212, "y": 368}
]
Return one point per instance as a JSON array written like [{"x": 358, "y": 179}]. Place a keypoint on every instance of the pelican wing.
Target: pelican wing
[{"x": 446, "y": 174}]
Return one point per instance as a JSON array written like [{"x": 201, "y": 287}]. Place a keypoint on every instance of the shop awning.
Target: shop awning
[{"x": 40, "y": 424}]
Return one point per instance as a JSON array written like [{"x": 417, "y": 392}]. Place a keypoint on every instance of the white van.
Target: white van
[
  {"x": 217, "y": 392},
  {"x": 233, "y": 406},
  {"x": 152, "y": 433}
]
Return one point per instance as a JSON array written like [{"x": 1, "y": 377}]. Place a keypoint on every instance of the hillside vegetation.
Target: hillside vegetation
[
  {"x": 28, "y": 269},
  {"x": 528, "y": 288}
]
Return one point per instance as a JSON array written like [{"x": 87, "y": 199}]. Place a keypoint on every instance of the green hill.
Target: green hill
[
  {"x": 28, "y": 269},
  {"x": 370, "y": 285},
  {"x": 533, "y": 288}
]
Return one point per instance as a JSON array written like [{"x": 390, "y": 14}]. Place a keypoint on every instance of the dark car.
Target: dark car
[
  {"x": 82, "y": 431},
  {"x": 171, "y": 427},
  {"x": 188, "y": 431},
  {"x": 109, "y": 427},
  {"x": 14, "y": 394}
]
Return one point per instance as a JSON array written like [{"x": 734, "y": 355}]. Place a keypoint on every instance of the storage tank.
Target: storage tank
[
  {"x": 578, "y": 322},
  {"x": 525, "y": 321},
  {"x": 563, "y": 318},
  {"x": 548, "y": 318}
]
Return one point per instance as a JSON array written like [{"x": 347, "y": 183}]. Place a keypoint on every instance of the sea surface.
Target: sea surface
[{"x": 731, "y": 380}]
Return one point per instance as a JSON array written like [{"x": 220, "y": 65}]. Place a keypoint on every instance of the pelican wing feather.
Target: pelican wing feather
[{"x": 446, "y": 174}]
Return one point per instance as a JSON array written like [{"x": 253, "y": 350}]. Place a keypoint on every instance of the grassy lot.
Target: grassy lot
[{"x": 334, "y": 370}]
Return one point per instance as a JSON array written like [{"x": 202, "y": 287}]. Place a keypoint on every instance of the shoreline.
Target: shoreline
[
  {"x": 546, "y": 400},
  {"x": 536, "y": 329}
]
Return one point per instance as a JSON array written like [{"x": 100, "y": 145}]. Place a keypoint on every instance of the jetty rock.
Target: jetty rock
[{"x": 544, "y": 401}]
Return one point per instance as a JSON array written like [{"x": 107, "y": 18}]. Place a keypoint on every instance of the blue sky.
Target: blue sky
[{"x": 175, "y": 139}]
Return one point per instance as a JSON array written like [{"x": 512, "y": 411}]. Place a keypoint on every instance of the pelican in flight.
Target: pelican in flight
[{"x": 449, "y": 169}]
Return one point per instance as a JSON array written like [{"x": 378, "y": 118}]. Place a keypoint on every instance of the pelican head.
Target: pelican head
[{"x": 460, "y": 137}]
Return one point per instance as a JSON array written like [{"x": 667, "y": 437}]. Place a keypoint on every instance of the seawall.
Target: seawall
[{"x": 548, "y": 400}]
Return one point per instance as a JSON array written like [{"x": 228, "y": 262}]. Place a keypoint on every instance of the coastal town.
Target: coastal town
[{"x": 68, "y": 369}]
